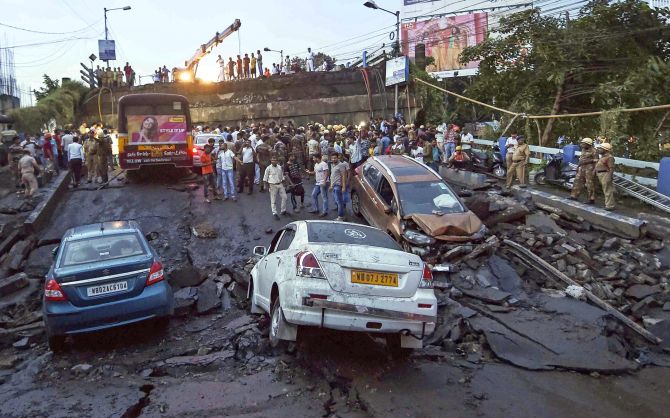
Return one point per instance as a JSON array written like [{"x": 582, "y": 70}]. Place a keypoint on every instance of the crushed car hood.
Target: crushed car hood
[{"x": 448, "y": 225}]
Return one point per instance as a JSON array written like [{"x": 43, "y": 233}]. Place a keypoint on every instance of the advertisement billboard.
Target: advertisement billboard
[
  {"x": 156, "y": 129},
  {"x": 107, "y": 50},
  {"x": 445, "y": 38},
  {"x": 397, "y": 71}
]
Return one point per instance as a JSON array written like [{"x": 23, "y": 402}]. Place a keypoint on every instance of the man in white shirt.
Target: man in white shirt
[
  {"x": 321, "y": 175},
  {"x": 222, "y": 68},
  {"x": 467, "y": 140},
  {"x": 234, "y": 134},
  {"x": 417, "y": 153},
  {"x": 246, "y": 159},
  {"x": 226, "y": 163},
  {"x": 75, "y": 155},
  {"x": 273, "y": 179},
  {"x": 310, "y": 60},
  {"x": 313, "y": 149}
]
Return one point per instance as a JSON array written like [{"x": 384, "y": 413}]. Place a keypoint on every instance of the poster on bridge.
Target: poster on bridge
[{"x": 445, "y": 37}]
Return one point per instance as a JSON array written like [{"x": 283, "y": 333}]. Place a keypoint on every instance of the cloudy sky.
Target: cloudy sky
[{"x": 167, "y": 32}]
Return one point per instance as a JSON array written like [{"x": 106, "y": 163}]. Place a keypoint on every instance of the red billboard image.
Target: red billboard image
[
  {"x": 445, "y": 38},
  {"x": 156, "y": 129}
]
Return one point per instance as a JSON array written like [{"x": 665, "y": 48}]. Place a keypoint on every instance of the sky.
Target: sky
[{"x": 167, "y": 32}]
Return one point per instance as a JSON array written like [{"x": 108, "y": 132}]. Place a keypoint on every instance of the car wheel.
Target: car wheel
[
  {"x": 275, "y": 319},
  {"x": 540, "y": 178},
  {"x": 395, "y": 348},
  {"x": 56, "y": 343},
  {"x": 499, "y": 171},
  {"x": 356, "y": 204}
]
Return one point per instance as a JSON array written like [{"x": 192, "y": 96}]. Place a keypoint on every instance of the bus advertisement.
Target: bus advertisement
[{"x": 154, "y": 129}]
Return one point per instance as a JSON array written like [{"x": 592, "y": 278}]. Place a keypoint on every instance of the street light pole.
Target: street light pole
[
  {"x": 107, "y": 30},
  {"x": 373, "y": 5}
]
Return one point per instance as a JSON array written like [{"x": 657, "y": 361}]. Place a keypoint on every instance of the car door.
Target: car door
[
  {"x": 262, "y": 278},
  {"x": 382, "y": 197},
  {"x": 367, "y": 196},
  {"x": 273, "y": 260}
]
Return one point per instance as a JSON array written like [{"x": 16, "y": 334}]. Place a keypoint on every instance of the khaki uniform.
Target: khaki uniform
[
  {"x": 586, "y": 174},
  {"x": 90, "y": 150},
  {"x": 101, "y": 159},
  {"x": 518, "y": 167},
  {"x": 27, "y": 166},
  {"x": 15, "y": 153},
  {"x": 605, "y": 172}
]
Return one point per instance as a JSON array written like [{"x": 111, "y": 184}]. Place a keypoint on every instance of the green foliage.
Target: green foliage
[
  {"x": 50, "y": 85},
  {"x": 612, "y": 56},
  {"x": 59, "y": 105}
]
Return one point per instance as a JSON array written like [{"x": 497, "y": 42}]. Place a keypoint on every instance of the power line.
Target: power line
[
  {"x": 50, "y": 42},
  {"x": 50, "y": 33}
]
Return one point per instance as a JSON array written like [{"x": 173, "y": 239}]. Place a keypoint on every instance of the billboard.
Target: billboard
[
  {"x": 156, "y": 129},
  {"x": 106, "y": 50},
  {"x": 412, "y": 2},
  {"x": 445, "y": 37},
  {"x": 397, "y": 71}
]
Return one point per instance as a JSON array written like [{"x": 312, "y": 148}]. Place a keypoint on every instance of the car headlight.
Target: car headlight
[{"x": 417, "y": 238}]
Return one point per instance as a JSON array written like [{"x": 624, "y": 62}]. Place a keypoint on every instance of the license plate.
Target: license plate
[
  {"x": 104, "y": 289},
  {"x": 374, "y": 278}
]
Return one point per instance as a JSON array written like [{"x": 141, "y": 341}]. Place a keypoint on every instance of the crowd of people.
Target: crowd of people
[
  {"x": 90, "y": 151},
  {"x": 251, "y": 66},
  {"x": 115, "y": 77},
  {"x": 278, "y": 157}
]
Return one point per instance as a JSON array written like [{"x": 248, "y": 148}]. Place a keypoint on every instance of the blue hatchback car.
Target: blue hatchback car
[{"x": 104, "y": 275}]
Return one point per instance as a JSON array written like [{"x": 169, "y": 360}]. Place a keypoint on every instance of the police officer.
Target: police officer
[
  {"x": 14, "y": 154},
  {"x": 264, "y": 155},
  {"x": 520, "y": 158},
  {"x": 585, "y": 171},
  {"x": 605, "y": 172},
  {"x": 103, "y": 149},
  {"x": 90, "y": 151}
]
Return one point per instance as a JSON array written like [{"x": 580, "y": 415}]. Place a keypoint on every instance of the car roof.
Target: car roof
[
  {"x": 404, "y": 169},
  {"x": 100, "y": 229}
]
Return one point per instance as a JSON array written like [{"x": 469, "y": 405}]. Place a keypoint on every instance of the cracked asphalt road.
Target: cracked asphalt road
[{"x": 330, "y": 374}]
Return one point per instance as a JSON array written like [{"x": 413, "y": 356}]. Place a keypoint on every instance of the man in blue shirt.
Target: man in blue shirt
[{"x": 386, "y": 143}]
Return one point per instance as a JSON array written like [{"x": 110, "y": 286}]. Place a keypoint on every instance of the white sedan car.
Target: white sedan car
[{"x": 343, "y": 276}]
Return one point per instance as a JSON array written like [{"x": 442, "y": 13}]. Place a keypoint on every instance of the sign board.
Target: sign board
[
  {"x": 106, "y": 50},
  {"x": 397, "y": 71},
  {"x": 445, "y": 37},
  {"x": 157, "y": 129}
]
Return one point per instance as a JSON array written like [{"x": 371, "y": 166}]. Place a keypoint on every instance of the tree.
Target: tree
[
  {"x": 59, "y": 105},
  {"x": 612, "y": 56},
  {"x": 50, "y": 85}
]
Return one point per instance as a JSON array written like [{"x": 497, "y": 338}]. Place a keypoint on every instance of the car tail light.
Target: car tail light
[
  {"x": 53, "y": 291},
  {"x": 426, "y": 278},
  {"x": 308, "y": 266},
  {"x": 155, "y": 274},
  {"x": 195, "y": 150}
]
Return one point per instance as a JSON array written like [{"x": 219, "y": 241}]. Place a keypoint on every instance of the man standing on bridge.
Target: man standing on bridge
[
  {"x": 585, "y": 171},
  {"x": 259, "y": 60},
  {"x": 222, "y": 69}
]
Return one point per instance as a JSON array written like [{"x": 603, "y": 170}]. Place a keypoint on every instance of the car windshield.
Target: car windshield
[
  {"x": 428, "y": 198},
  {"x": 92, "y": 250},
  {"x": 202, "y": 139},
  {"x": 337, "y": 233}
]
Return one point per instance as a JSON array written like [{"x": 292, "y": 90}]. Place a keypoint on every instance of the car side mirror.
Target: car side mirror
[
  {"x": 260, "y": 250},
  {"x": 54, "y": 252}
]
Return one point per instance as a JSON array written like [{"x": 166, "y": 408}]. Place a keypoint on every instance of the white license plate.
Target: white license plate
[{"x": 104, "y": 289}]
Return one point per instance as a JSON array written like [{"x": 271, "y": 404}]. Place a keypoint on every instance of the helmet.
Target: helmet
[
  {"x": 587, "y": 141},
  {"x": 606, "y": 146},
  {"x": 459, "y": 148}
]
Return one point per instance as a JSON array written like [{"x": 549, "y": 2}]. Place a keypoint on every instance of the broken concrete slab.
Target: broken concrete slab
[
  {"x": 508, "y": 279},
  {"x": 13, "y": 283},
  {"x": 463, "y": 178},
  {"x": 17, "y": 254},
  {"x": 184, "y": 300},
  {"x": 204, "y": 230},
  {"x": 615, "y": 223},
  {"x": 557, "y": 333},
  {"x": 207, "y": 297},
  {"x": 544, "y": 223},
  {"x": 641, "y": 291},
  {"x": 39, "y": 261},
  {"x": 185, "y": 275},
  {"x": 200, "y": 360}
]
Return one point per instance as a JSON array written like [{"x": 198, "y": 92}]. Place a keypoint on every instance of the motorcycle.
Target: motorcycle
[
  {"x": 483, "y": 162},
  {"x": 557, "y": 172}
]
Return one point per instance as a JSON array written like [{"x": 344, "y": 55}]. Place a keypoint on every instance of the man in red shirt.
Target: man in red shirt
[
  {"x": 208, "y": 173},
  {"x": 129, "y": 74}
]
